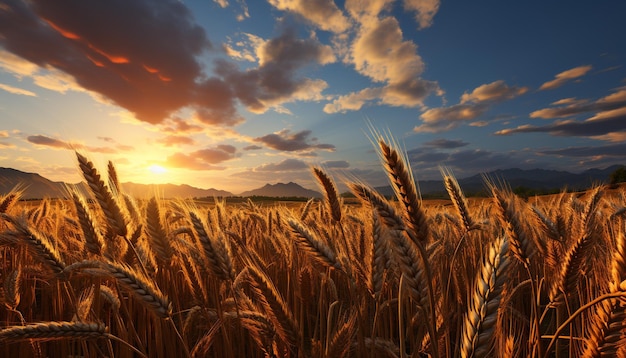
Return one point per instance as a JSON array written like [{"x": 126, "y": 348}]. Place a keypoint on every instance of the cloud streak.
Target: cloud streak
[
  {"x": 287, "y": 141},
  {"x": 471, "y": 106},
  {"x": 203, "y": 159},
  {"x": 565, "y": 77},
  {"x": 18, "y": 91}
]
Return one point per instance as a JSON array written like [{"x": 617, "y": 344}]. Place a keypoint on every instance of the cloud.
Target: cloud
[
  {"x": 426, "y": 161},
  {"x": 282, "y": 166},
  {"x": 176, "y": 140},
  {"x": 287, "y": 141},
  {"x": 204, "y": 159},
  {"x": 16, "y": 90},
  {"x": 607, "y": 123},
  {"x": 603, "y": 124},
  {"x": 148, "y": 67},
  {"x": 4, "y": 134},
  {"x": 471, "y": 106},
  {"x": 613, "y": 101},
  {"x": 322, "y": 13},
  {"x": 366, "y": 10},
  {"x": 221, "y": 3},
  {"x": 16, "y": 65},
  {"x": 425, "y": 11},
  {"x": 336, "y": 164},
  {"x": 493, "y": 92},
  {"x": 566, "y": 76},
  {"x": 177, "y": 126},
  {"x": 48, "y": 142},
  {"x": 608, "y": 150},
  {"x": 252, "y": 147},
  {"x": 276, "y": 80},
  {"x": 380, "y": 53},
  {"x": 353, "y": 101},
  {"x": 445, "y": 143}
]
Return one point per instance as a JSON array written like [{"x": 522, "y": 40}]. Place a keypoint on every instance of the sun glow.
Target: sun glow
[{"x": 157, "y": 169}]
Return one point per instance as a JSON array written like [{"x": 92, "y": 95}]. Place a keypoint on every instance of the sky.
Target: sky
[{"x": 234, "y": 94}]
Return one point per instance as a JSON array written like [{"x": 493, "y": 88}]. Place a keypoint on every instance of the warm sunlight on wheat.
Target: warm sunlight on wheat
[{"x": 105, "y": 274}]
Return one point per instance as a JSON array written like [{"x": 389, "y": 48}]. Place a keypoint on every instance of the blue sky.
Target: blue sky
[{"x": 233, "y": 94}]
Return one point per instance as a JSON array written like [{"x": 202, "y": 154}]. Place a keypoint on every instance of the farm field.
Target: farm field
[{"x": 111, "y": 276}]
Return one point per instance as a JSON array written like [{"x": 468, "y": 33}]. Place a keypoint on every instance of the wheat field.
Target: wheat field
[{"x": 106, "y": 275}]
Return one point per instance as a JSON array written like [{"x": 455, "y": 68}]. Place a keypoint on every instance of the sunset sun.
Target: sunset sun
[{"x": 157, "y": 169}]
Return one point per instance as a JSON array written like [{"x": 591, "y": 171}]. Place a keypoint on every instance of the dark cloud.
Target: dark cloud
[
  {"x": 426, "y": 161},
  {"x": 613, "y": 101},
  {"x": 282, "y": 166},
  {"x": 336, "y": 164},
  {"x": 148, "y": 67},
  {"x": 252, "y": 147},
  {"x": 445, "y": 143},
  {"x": 60, "y": 144},
  {"x": 48, "y": 142},
  {"x": 608, "y": 150},
  {"x": 204, "y": 159},
  {"x": 287, "y": 141},
  {"x": 606, "y": 123}
]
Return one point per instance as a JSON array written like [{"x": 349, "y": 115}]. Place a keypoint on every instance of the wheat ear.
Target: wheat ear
[
  {"x": 606, "y": 332},
  {"x": 274, "y": 305},
  {"x": 7, "y": 201},
  {"x": 94, "y": 243},
  {"x": 36, "y": 243},
  {"x": 214, "y": 251},
  {"x": 332, "y": 198},
  {"x": 45, "y": 331},
  {"x": 406, "y": 191},
  {"x": 12, "y": 285},
  {"x": 318, "y": 250},
  {"x": 115, "y": 218},
  {"x": 480, "y": 321},
  {"x": 159, "y": 240},
  {"x": 458, "y": 199}
]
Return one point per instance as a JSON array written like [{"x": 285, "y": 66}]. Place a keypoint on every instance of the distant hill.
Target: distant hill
[
  {"x": 290, "y": 189},
  {"x": 35, "y": 186},
  {"x": 171, "y": 191},
  {"x": 537, "y": 179}
]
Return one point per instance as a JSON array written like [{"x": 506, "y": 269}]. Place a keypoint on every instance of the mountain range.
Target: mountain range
[{"x": 36, "y": 186}]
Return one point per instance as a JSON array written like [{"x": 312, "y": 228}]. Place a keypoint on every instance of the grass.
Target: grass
[{"x": 109, "y": 275}]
